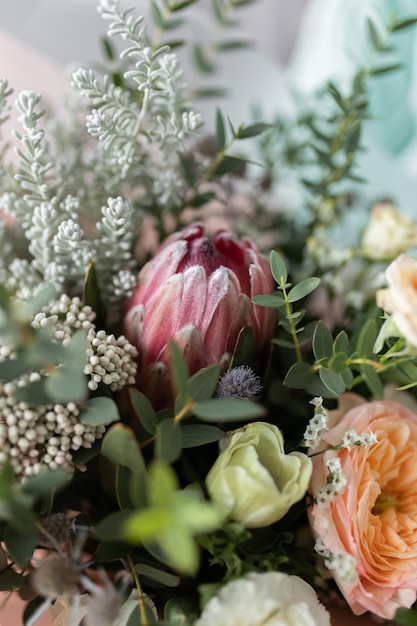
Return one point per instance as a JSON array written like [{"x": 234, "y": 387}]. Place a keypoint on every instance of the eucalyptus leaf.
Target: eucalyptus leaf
[
  {"x": 278, "y": 268},
  {"x": 227, "y": 410},
  {"x": 202, "y": 385},
  {"x": 181, "y": 610},
  {"x": 167, "y": 579},
  {"x": 120, "y": 446},
  {"x": 303, "y": 289},
  {"x": 299, "y": 376},
  {"x": 254, "y": 130},
  {"x": 322, "y": 342},
  {"x": 193, "y": 435},
  {"x": 20, "y": 546},
  {"x": 179, "y": 370},
  {"x": 91, "y": 292},
  {"x": 373, "y": 381},
  {"x": 144, "y": 411},
  {"x": 220, "y": 130},
  {"x": 45, "y": 484},
  {"x": 333, "y": 381},
  {"x": 112, "y": 527},
  {"x": 230, "y": 164},
  {"x": 168, "y": 441},
  {"x": 272, "y": 301},
  {"x": 99, "y": 411}
]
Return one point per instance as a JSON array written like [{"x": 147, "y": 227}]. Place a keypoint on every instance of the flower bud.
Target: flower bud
[
  {"x": 388, "y": 234},
  {"x": 253, "y": 480},
  {"x": 197, "y": 291}
]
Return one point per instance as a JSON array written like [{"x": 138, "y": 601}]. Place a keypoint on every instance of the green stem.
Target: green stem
[{"x": 141, "y": 601}]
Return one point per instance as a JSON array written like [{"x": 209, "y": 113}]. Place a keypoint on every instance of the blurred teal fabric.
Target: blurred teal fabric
[{"x": 333, "y": 42}]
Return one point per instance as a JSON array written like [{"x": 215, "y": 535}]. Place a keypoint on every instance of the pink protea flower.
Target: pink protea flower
[{"x": 197, "y": 290}]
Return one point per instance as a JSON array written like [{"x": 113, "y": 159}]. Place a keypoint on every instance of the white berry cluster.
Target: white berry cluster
[
  {"x": 36, "y": 438},
  {"x": 335, "y": 485},
  {"x": 109, "y": 360}
]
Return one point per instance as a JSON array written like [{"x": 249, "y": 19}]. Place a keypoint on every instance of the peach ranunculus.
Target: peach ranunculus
[
  {"x": 400, "y": 298},
  {"x": 374, "y": 520}
]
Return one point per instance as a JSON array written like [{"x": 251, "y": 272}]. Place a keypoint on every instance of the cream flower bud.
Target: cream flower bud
[
  {"x": 388, "y": 234},
  {"x": 253, "y": 480}
]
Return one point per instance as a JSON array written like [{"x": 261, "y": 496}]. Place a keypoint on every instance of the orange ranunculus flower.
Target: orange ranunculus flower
[{"x": 375, "y": 518}]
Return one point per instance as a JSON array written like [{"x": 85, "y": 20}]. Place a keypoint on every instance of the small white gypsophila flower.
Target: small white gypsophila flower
[
  {"x": 272, "y": 598},
  {"x": 341, "y": 563},
  {"x": 351, "y": 438},
  {"x": 335, "y": 485},
  {"x": 110, "y": 360},
  {"x": 316, "y": 426},
  {"x": 36, "y": 438}
]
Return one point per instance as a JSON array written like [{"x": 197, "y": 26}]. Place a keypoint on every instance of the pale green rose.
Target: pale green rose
[{"x": 253, "y": 481}]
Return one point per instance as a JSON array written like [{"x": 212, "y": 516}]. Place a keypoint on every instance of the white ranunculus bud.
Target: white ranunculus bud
[
  {"x": 388, "y": 234},
  {"x": 253, "y": 480}
]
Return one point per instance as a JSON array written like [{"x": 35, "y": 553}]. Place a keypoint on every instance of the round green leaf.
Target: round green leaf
[{"x": 100, "y": 410}]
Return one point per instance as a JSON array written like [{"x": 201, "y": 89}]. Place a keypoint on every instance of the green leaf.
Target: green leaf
[
  {"x": 112, "y": 527},
  {"x": 367, "y": 338},
  {"x": 157, "y": 15},
  {"x": 245, "y": 348},
  {"x": 254, "y": 130},
  {"x": 273, "y": 301},
  {"x": 303, "y": 289},
  {"x": 373, "y": 381},
  {"x": 385, "y": 69},
  {"x": 234, "y": 44},
  {"x": 322, "y": 342},
  {"x": 202, "y": 385},
  {"x": 180, "y": 549},
  {"x": 168, "y": 441},
  {"x": 220, "y": 130},
  {"x": 146, "y": 525},
  {"x": 124, "y": 488},
  {"x": 34, "y": 393},
  {"x": 405, "y": 617},
  {"x": 278, "y": 268},
  {"x": 227, "y": 410},
  {"x": 144, "y": 411},
  {"x": 193, "y": 435},
  {"x": 203, "y": 198},
  {"x": 20, "y": 546},
  {"x": 120, "y": 446},
  {"x": 374, "y": 35},
  {"x": 100, "y": 410},
  {"x": 299, "y": 376},
  {"x": 179, "y": 371},
  {"x": 402, "y": 24},
  {"x": 135, "y": 617},
  {"x": 339, "y": 363},
  {"x": 341, "y": 343},
  {"x": 45, "y": 484},
  {"x": 162, "y": 577},
  {"x": 180, "y": 611},
  {"x": 10, "y": 579},
  {"x": 201, "y": 60},
  {"x": 182, "y": 5},
  {"x": 91, "y": 292},
  {"x": 230, "y": 164},
  {"x": 333, "y": 381}
]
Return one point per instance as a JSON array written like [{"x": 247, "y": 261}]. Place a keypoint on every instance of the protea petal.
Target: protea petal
[
  {"x": 161, "y": 318},
  {"x": 198, "y": 291}
]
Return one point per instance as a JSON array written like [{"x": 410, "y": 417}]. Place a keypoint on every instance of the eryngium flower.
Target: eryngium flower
[{"x": 197, "y": 291}]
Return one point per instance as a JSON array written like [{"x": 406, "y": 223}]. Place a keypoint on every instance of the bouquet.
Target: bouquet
[{"x": 208, "y": 405}]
